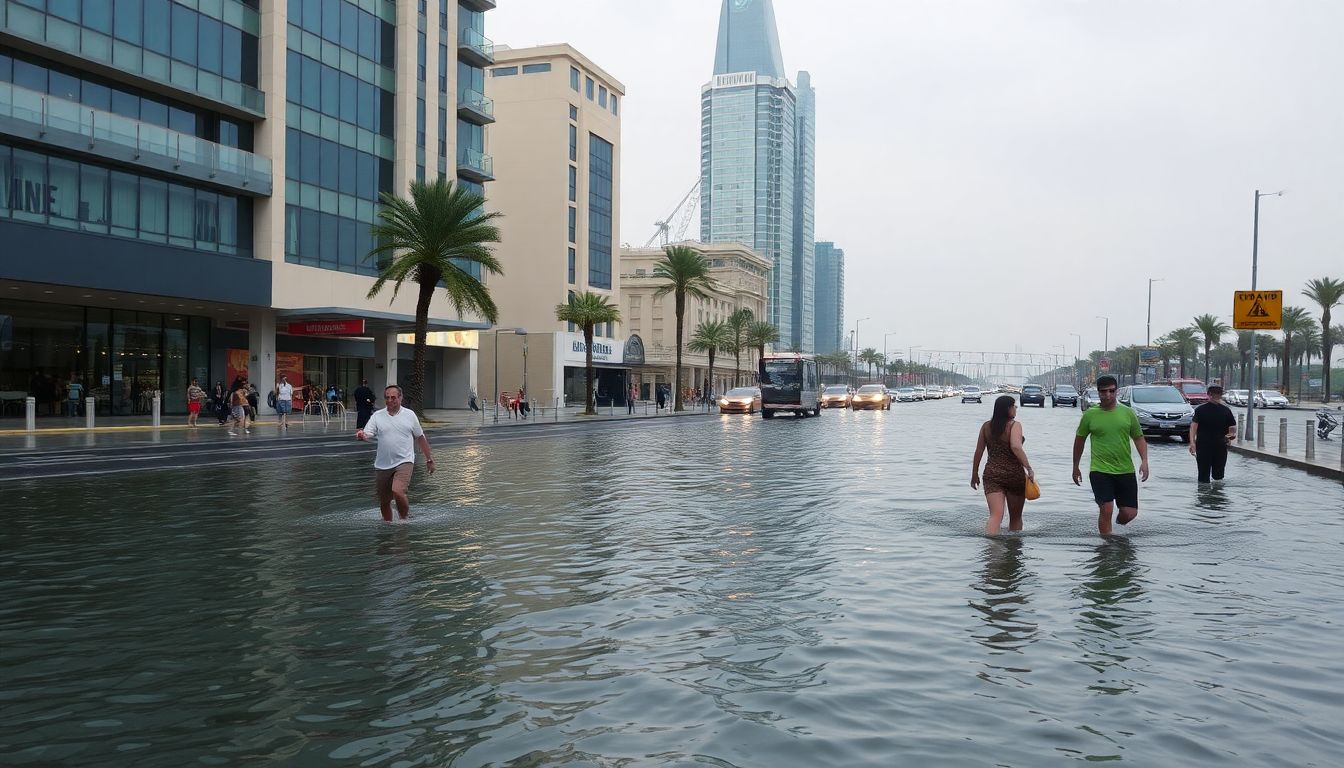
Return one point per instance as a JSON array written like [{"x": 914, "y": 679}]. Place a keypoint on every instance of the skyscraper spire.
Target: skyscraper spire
[{"x": 748, "y": 39}]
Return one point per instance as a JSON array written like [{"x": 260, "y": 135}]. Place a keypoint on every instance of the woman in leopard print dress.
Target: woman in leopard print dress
[{"x": 1008, "y": 468}]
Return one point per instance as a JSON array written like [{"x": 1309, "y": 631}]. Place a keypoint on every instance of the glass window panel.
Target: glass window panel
[
  {"x": 574, "y": 79},
  {"x": 154, "y": 112},
  {"x": 311, "y": 93},
  {"x": 293, "y": 78},
  {"x": 349, "y": 26},
  {"x": 98, "y": 16},
  {"x": 309, "y": 158},
  {"x": 6, "y": 176},
  {"x": 349, "y": 99},
  {"x": 308, "y": 235},
  {"x": 602, "y": 96},
  {"x": 291, "y": 230},
  {"x": 326, "y": 240},
  {"x": 207, "y": 220},
  {"x": 231, "y": 47},
  {"x": 28, "y": 195},
  {"x": 588, "y": 87},
  {"x": 157, "y": 36},
  {"x": 66, "y": 9},
  {"x": 292, "y": 154},
  {"x": 96, "y": 96},
  {"x": 614, "y": 110},
  {"x": 573, "y": 184},
  {"x": 573, "y": 112},
  {"x": 153, "y": 209},
  {"x": 124, "y": 203},
  {"x": 329, "y": 158},
  {"x": 6, "y": 68},
  {"x": 331, "y": 20},
  {"x": 368, "y": 36},
  {"x": 181, "y": 214},
  {"x": 331, "y": 91},
  {"x": 208, "y": 41},
  {"x": 503, "y": 71},
  {"x": 184, "y": 33},
  {"x": 126, "y": 20},
  {"x": 347, "y": 255},
  {"x": 574, "y": 143},
  {"x": 368, "y": 99},
  {"x": 533, "y": 69},
  {"x": 251, "y": 54},
  {"x": 230, "y": 133},
  {"x": 62, "y": 189},
  {"x": 228, "y": 224},
  {"x": 30, "y": 76},
  {"x": 126, "y": 104},
  {"x": 64, "y": 86},
  {"x": 312, "y": 16},
  {"x": 346, "y": 174},
  {"x": 93, "y": 197},
  {"x": 182, "y": 121}
]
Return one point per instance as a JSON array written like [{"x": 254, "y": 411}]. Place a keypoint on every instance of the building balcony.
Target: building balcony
[
  {"x": 475, "y": 107},
  {"x": 72, "y": 127},
  {"x": 103, "y": 54},
  {"x": 474, "y": 48},
  {"x": 478, "y": 5},
  {"x": 475, "y": 165}
]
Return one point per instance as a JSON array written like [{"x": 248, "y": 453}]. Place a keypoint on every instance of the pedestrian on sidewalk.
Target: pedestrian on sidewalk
[
  {"x": 471, "y": 400},
  {"x": 364, "y": 403},
  {"x": 630, "y": 398},
  {"x": 659, "y": 397},
  {"x": 1213, "y": 427},
  {"x": 1111, "y": 469},
  {"x": 253, "y": 403},
  {"x": 284, "y": 400},
  {"x": 521, "y": 404},
  {"x": 238, "y": 406},
  {"x": 397, "y": 431},
  {"x": 219, "y": 402},
  {"x": 195, "y": 395},
  {"x": 1008, "y": 468},
  {"x": 75, "y": 395}
]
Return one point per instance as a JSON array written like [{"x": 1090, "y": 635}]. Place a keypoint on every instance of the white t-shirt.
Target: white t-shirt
[
  {"x": 395, "y": 435},
  {"x": 285, "y": 392}
]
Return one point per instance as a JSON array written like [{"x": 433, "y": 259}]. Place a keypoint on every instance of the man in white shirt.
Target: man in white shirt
[
  {"x": 397, "y": 431},
  {"x": 284, "y": 400}
]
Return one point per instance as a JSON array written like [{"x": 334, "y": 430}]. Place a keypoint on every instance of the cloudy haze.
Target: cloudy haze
[{"x": 999, "y": 172}]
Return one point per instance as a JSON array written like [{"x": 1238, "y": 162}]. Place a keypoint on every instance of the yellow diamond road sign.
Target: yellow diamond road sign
[{"x": 1257, "y": 310}]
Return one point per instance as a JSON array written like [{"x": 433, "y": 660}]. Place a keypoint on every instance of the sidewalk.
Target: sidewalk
[{"x": 1329, "y": 458}]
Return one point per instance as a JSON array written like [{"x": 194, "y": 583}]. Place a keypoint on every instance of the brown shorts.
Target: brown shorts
[{"x": 397, "y": 479}]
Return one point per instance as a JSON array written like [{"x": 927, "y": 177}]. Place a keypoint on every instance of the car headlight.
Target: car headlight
[
  {"x": 723, "y": 401},
  {"x": 1142, "y": 413}
]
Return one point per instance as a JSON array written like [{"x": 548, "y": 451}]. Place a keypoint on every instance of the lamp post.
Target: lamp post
[
  {"x": 885, "y": 361},
  {"x": 1255, "y": 362},
  {"x": 910, "y": 362},
  {"x": 856, "y": 343},
  {"x": 1148, "y": 338},
  {"x": 1077, "y": 380},
  {"x": 517, "y": 332}
]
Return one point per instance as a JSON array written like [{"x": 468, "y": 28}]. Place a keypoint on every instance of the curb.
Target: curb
[{"x": 1319, "y": 470}]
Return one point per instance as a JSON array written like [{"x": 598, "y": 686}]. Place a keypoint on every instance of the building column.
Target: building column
[
  {"x": 261, "y": 354},
  {"x": 384, "y": 363}
]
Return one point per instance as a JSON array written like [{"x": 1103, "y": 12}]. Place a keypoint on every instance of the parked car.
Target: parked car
[
  {"x": 1064, "y": 394},
  {"x": 971, "y": 392},
  {"x": 1031, "y": 394},
  {"x": 905, "y": 395},
  {"x": 1271, "y": 399},
  {"x": 871, "y": 396},
  {"x": 1236, "y": 396},
  {"x": 741, "y": 400},
  {"x": 835, "y": 397},
  {"x": 1161, "y": 408},
  {"x": 1193, "y": 390},
  {"x": 919, "y": 392},
  {"x": 1089, "y": 398}
]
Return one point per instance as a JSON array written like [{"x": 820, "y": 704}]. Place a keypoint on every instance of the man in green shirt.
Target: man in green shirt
[{"x": 1111, "y": 471}]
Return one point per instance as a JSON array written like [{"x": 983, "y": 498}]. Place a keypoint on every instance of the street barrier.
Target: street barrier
[
  {"x": 30, "y": 414},
  {"x": 90, "y": 405}
]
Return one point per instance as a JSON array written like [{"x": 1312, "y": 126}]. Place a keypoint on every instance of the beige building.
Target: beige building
[
  {"x": 557, "y": 159},
  {"x": 741, "y": 277}
]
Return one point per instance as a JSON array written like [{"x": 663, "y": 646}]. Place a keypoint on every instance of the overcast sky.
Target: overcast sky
[{"x": 1000, "y": 172}]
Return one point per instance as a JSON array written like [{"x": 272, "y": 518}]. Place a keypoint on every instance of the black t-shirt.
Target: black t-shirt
[{"x": 1214, "y": 419}]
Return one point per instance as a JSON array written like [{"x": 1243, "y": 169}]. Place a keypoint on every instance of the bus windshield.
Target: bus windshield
[{"x": 782, "y": 374}]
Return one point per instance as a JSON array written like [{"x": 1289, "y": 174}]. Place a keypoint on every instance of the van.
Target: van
[{"x": 1193, "y": 390}]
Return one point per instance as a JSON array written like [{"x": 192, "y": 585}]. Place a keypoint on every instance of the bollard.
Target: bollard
[
  {"x": 1283, "y": 434},
  {"x": 557, "y": 409},
  {"x": 1240, "y": 426},
  {"x": 90, "y": 405},
  {"x": 1311, "y": 440},
  {"x": 1259, "y": 431},
  {"x": 157, "y": 412},
  {"x": 30, "y": 414}
]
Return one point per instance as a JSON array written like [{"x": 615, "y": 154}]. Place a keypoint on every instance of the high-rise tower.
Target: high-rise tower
[
  {"x": 830, "y": 287},
  {"x": 755, "y": 169}
]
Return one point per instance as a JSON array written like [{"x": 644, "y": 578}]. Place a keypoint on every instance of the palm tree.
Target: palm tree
[
  {"x": 431, "y": 238},
  {"x": 869, "y": 358},
  {"x": 711, "y": 336},
  {"x": 760, "y": 333},
  {"x": 1183, "y": 343},
  {"x": 1244, "y": 352},
  {"x": 1326, "y": 292},
  {"x": 687, "y": 274},
  {"x": 737, "y": 325},
  {"x": 1295, "y": 322},
  {"x": 1212, "y": 329},
  {"x": 1266, "y": 346},
  {"x": 586, "y": 310}
]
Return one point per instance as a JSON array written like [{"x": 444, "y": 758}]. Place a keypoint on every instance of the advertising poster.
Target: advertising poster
[
  {"x": 235, "y": 365},
  {"x": 291, "y": 364}
]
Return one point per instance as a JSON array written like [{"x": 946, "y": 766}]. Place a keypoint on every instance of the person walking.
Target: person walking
[
  {"x": 397, "y": 431},
  {"x": 1213, "y": 427},
  {"x": 521, "y": 404},
  {"x": 195, "y": 395},
  {"x": 471, "y": 400},
  {"x": 238, "y": 406},
  {"x": 1007, "y": 470},
  {"x": 364, "y": 403},
  {"x": 630, "y": 398},
  {"x": 220, "y": 402},
  {"x": 253, "y": 403},
  {"x": 1111, "y": 468},
  {"x": 284, "y": 400}
]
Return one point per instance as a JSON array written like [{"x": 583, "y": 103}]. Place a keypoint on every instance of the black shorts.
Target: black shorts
[{"x": 1122, "y": 489}]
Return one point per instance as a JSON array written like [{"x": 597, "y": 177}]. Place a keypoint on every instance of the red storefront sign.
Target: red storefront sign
[{"x": 327, "y": 328}]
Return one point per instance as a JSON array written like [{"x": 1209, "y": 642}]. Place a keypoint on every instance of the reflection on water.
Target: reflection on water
[{"x": 726, "y": 591}]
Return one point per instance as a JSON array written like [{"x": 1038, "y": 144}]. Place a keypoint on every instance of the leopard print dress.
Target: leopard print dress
[{"x": 1003, "y": 472}]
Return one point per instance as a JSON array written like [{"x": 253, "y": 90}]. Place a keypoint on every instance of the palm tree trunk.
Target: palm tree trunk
[
  {"x": 1287, "y": 362},
  {"x": 1207, "y": 346},
  {"x": 416, "y": 389},
  {"x": 737, "y": 361},
  {"x": 676, "y": 386},
  {"x": 589, "y": 407},
  {"x": 711, "y": 374},
  {"x": 1326, "y": 344}
]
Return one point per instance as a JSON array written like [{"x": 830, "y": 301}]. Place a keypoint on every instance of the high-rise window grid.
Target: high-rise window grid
[{"x": 600, "y": 208}]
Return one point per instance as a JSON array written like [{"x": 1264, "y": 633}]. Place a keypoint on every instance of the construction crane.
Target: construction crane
[{"x": 681, "y": 216}]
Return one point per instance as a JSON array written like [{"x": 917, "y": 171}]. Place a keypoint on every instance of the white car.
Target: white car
[
  {"x": 1271, "y": 399},
  {"x": 1236, "y": 396}
]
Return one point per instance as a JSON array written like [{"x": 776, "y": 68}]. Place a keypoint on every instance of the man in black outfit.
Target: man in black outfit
[
  {"x": 363, "y": 404},
  {"x": 1211, "y": 429}
]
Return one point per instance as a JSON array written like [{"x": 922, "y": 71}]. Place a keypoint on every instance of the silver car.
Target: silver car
[{"x": 1161, "y": 408}]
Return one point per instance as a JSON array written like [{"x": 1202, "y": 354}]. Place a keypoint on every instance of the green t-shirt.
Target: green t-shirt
[{"x": 1111, "y": 432}]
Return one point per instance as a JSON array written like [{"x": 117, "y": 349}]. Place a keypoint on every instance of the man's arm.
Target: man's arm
[
  {"x": 369, "y": 430},
  {"x": 423, "y": 442},
  {"x": 1194, "y": 432},
  {"x": 1142, "y": 445},
  {"x": 1078, "y": 442}
]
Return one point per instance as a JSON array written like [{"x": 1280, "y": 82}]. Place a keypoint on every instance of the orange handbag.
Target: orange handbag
[{"x": 1033, "y": 490}]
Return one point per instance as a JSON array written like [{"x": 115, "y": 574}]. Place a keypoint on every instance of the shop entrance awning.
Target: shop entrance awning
[{"x": 346, "y": 321}]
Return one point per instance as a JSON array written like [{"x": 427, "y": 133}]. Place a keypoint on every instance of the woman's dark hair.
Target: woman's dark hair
[{"x": 1003, "y": 404}]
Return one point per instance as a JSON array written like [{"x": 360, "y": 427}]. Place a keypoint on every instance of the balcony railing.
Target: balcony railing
[
  {"x": 475, "y": 47},
  {"x": 475, "y": 165},
  {"x": 475, "y": 106},
  {"x": 75, "y": 127}
]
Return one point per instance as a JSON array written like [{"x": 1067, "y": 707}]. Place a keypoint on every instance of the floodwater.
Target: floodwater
[{"x": 720, "y": 591}]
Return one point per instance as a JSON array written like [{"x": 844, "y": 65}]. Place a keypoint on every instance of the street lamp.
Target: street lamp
[
  {"x": 856, "y": 343},
  {"x": 1255, "y": 362},
  {"x": 517, "y": 332},
  {"x": 1077, "y": 380},
  {"x": 1148, "y": 339}
]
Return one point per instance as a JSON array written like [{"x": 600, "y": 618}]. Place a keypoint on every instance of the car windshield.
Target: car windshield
[
  {"x": 906, "y": 390},
  {"x": 1157, "y": 395},
  {"x": 742, "y": 392},
  {"x": 836, "y": 390},
  {"x": 1092, "y": 392},
  {"x": 971, "y": 389},
  {"x": 1192, "y": 388},
  {"x": 1032, "y": 388},
  {"x": 870, "y": 389},
  {"x": 783, "y": 374},
  {"x": 1065, "y": 389},
  {"x": 1269, "y": 393}
]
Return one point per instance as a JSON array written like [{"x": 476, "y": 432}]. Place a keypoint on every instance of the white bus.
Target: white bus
[{"x": 789, "y": 382}]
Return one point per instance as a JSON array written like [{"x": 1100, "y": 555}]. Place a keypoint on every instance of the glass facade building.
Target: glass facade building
[
  {"x": 756, "y": 163},
  {"x": 830, "y": 287}
]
